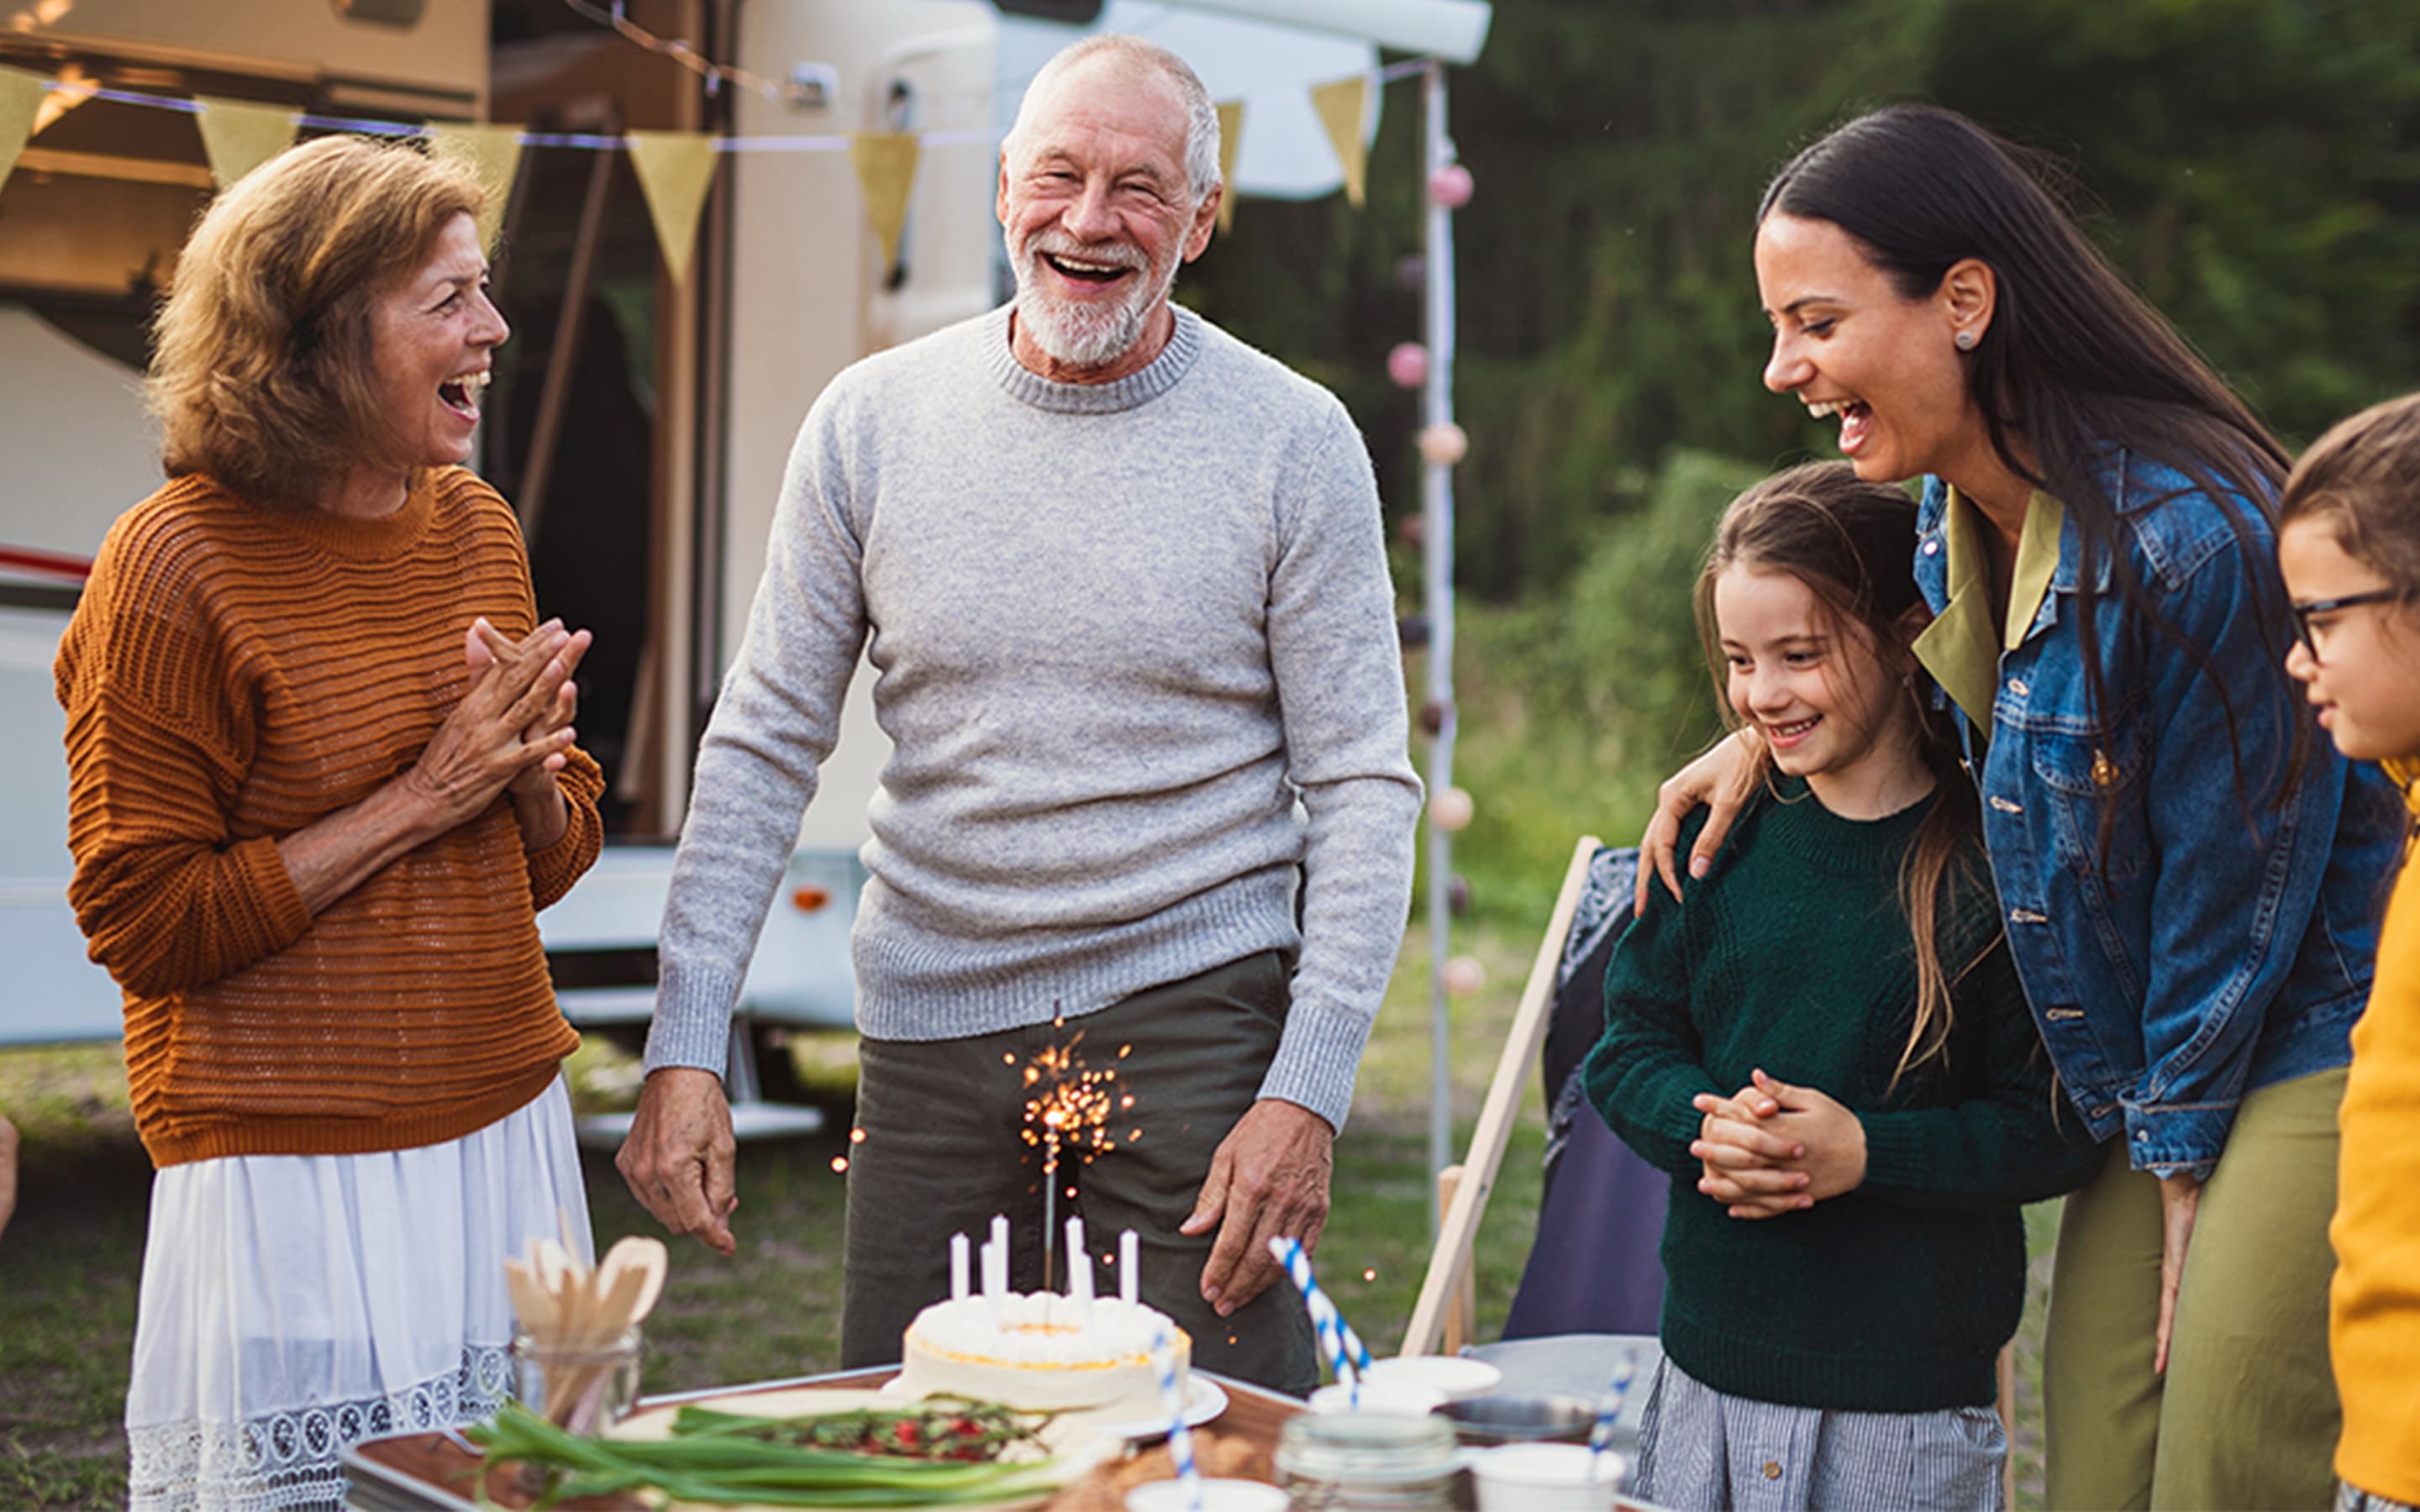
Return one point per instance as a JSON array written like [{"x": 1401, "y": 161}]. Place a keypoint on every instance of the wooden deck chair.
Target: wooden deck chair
[{"x": 1450, "y": 1260}]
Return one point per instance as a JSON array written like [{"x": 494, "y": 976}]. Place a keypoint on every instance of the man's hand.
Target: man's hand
[
  {"x": 677, "y": 1158},
  {"x": 2179, "y": 1203},
  {"x": 1268, "y": 1180}
]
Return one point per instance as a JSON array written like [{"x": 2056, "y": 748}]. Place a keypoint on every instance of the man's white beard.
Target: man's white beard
[{"x": 1084, "y": 333}]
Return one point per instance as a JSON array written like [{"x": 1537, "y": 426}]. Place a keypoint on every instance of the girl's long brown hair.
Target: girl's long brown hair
[{"x": 1849, "y": 542}]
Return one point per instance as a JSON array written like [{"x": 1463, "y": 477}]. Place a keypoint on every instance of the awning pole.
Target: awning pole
[{"x": 1436, "y": 512}]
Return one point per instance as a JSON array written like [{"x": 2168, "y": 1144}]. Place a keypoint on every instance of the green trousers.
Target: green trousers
[
  {"x": 944, "y": 1149},
  {"x": 2246, "y": 1414}
]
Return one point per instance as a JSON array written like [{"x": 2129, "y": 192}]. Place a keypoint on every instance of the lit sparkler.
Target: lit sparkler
[{"x": 1066, "y": 1117}]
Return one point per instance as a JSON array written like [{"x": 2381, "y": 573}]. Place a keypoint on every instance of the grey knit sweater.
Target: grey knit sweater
[{"x": 1134, "y": 645}]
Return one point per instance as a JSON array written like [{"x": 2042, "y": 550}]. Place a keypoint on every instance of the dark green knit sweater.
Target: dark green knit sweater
[{"x": 1793, "y": 956}]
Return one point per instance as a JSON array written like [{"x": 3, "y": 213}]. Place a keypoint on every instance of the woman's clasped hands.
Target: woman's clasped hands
[
  {"x": 1773, "y": 1148},
  {"x": 513, "y": 728}
]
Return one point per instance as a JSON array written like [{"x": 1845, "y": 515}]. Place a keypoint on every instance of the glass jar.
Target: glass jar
[
  {"x": 586, "y": 1391},
  {"x": 1367, "y": 1461}
]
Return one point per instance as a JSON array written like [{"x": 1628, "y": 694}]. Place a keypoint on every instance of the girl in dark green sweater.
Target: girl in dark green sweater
[{"x": 1826, "y": 1046}]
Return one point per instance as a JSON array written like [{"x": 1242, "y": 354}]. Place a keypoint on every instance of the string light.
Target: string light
[{"x": 715, "y": 74}]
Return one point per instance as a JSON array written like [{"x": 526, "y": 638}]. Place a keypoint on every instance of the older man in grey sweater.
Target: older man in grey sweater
[{"x": 1123, "y": 583}]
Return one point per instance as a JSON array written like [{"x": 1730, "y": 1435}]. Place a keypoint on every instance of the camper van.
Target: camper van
[
  {"x": 639, "y": 421},
  {"x": 637, "y": 425}
]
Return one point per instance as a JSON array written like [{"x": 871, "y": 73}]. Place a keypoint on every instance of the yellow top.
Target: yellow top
[
  {"x": 1958, "y": 647},
  {"x": 2374, "y": 1306}
]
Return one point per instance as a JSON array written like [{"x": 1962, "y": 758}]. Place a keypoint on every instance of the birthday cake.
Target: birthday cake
[{"x": 1043, "y": 1352}]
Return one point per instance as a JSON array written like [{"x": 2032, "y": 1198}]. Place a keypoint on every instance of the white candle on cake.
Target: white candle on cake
[
  {"x": 957, "y": 1267},
  {"x": 1079, "y": 1273},
  {"x": 1129, "y": 1269}
]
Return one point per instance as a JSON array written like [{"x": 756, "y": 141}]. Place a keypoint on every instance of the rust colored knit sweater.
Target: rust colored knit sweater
[{"x": 232, "y": 674}]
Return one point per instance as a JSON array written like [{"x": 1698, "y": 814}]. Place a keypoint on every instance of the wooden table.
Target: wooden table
[{"x": 433, "y": 1473}]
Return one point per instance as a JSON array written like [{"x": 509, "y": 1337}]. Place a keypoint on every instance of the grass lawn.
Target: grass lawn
[{"x": 72, "y": 1257}]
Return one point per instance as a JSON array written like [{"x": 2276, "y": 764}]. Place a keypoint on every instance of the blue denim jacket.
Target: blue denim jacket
[{"x": 2226, "y": 940}]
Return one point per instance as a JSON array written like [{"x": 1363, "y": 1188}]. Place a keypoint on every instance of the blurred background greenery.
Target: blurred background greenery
[{"x": 2251, "y": 165}]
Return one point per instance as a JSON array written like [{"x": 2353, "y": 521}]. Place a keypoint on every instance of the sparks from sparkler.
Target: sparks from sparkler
[{"x": 1066, "y": 1114}]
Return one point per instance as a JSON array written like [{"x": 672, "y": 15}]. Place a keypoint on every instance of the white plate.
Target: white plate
[
  {"x": 1456, "y": 1377},
  {"x": 1205, "y": 1399}
]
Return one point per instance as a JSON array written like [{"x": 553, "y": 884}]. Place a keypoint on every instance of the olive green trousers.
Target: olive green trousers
[{"x": 2246, "y": 1414}]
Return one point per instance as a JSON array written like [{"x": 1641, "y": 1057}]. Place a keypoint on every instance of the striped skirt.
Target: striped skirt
[{"x": 1700, "y": 1449}]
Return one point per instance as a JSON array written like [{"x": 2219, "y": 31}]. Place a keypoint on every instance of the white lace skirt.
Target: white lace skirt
[{"x": 293, "y": 1305}]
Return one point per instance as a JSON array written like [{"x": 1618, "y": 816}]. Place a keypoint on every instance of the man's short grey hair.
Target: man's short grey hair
[{"x": 1134, "y": 53}]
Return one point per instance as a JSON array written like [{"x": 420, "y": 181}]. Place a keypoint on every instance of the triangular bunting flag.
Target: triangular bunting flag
[
  {"x": 21, "y": 95},
  {"x": 886, "y": 171},
  {"x": 676, "y": 169},
  {"x": 1231, "y": 137},
  {"x": 492, "y": 152},
  {"x": 239, "y": 135},
  {"x": 1343, "y": 107}
]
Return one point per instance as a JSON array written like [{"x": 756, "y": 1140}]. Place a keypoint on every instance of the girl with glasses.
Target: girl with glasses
[{"x": 2349, "y": 549}]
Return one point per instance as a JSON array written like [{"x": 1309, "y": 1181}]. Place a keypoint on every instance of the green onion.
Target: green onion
[{"x": 721, "y": 1458}]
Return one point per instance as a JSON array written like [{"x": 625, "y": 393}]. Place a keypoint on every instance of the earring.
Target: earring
[{"x": 1965, "y": 340}]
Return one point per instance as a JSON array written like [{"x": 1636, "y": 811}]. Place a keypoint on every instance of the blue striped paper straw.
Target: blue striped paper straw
[
  {"x": 1601, "y": 1437},
  {"x": 1180, "y": 1437},
  {"x": 1325, "y": 1317}
]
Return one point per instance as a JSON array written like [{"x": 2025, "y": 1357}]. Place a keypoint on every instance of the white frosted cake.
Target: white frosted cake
[{"x": 1045, "y": 1352}]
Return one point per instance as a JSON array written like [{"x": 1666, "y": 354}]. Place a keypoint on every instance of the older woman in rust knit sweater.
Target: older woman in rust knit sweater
[{"x": 322, "y": 778}]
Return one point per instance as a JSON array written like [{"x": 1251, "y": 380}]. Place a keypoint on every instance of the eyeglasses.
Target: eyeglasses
[{"x": 2321, "y": 607}]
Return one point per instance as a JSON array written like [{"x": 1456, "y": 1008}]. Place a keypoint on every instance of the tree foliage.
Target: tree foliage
[{"x": 2253, "y": 165}]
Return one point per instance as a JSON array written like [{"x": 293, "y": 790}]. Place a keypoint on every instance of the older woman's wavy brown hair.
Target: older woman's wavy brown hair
[{"x": 261, "y": 372}]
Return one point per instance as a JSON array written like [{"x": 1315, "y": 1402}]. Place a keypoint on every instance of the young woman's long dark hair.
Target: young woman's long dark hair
[
  {"x": 1846, "y": 540},
  {"x": 2075, "y": 362}
]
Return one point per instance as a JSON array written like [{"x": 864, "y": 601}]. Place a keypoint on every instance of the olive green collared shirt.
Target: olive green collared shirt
[{"x": 1961, "y": 647}]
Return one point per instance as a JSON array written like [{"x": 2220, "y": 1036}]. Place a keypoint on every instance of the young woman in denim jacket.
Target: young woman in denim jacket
[{"x": 2190, "y": 879}]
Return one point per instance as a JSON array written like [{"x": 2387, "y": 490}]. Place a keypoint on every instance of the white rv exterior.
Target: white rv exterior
[{"x": 782, "y": 242}]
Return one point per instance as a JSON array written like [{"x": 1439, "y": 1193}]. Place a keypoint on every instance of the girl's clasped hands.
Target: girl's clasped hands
[{"x": 1773, "y": 1148}]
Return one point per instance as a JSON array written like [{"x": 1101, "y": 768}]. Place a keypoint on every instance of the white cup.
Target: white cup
[
  {"x": 1219, "y": 1495},
  {"x": 1544, "y": 1477},
  {"x": 1402, "y": 1399}
]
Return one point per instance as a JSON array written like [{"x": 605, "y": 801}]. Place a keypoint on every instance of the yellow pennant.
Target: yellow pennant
[
  {"x": 676, "y": 169},
  {"x": 239, "y": 135},
  {"x": 20, "y": 96},
  {"x": 886, "y": 172},
  {"x": 1343, "y": 107},
  {"x": 493, "y": 153},
  {"x": 1231, "y": 137}
]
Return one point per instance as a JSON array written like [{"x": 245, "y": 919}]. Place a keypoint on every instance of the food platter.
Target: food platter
[
  {"x": 1204, "y": 1401},
  {"x": 1077, "y": 1445}
]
